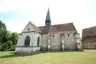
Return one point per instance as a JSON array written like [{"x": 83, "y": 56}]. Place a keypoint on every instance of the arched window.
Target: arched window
[
  {"x": 27, "y": 41},
  {"x": 38, "y": 40},
  {"x": 53, "y": 36},
  {"x": 61, "y": 35},
  {"x": 68, "y": 35},
  {"x": 75, "y": 33}
]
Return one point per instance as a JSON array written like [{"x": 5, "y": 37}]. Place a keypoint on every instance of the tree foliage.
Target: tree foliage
[
  {"x": 3, "y": 32},
  {"x": 8, "y": 40},
  {"x": 14, "y": 38}
]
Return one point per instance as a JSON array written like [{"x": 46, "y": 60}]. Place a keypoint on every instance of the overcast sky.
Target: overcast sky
[{"x": 17, "y": 13}]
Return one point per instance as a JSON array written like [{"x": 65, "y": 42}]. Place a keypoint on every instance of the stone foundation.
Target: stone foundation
[{"x": 26, "y": 50}]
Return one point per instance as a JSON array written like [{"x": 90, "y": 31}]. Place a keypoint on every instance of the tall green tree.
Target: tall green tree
[
  {"x": 9, "y": 35},
  {"x": 8, "y": 40},
  {"x": 14, "y": 37},
  {"x": 3, "y": 32}
]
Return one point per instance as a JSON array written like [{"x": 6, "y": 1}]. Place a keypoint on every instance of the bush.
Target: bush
[
  {"x": 9, "y": 43},
  {"x": 3, "y": 46},
  {"x": 7, "y": 46},
  {"x": 13, "y": 48}
]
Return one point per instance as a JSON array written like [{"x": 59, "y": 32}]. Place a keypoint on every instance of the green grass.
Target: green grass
[{"x": 68, "y": 57}]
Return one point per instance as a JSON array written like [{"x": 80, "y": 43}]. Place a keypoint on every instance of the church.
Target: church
[{"x": 58, "y": 37}]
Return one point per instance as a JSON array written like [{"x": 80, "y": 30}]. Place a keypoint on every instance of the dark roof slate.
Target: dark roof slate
[
  {"x": 57, "y": 28},
  {"x": 91, "y": 31}
]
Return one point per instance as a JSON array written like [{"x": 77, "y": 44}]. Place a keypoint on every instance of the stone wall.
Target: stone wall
[
  {"x": 33, "y": 38},
  {"x": 26, "y": 50},
  {"x": 70, "y": 40},
  {"x": 55, "y": 41},
  {"x": 44, "y": 42},
  {"x": 33, "y": 41}
]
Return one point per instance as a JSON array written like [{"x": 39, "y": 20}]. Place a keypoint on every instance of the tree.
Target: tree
[
  {"x": 9, "y": 43},
  {"x": 14, "y": 37},
  {"x": 8, "y": 40},
  {"x": 9, "y": 35},
  {"x": 2, "y": 26},
  {"x": 3, "y": 32},
  {"x": 3, "y": 46}
]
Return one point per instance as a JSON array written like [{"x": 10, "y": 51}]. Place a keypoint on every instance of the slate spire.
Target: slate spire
[{"x": 48, "y": 19}]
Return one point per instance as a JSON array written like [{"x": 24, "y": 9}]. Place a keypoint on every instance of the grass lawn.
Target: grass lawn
[{"x": 68, "y": 57}]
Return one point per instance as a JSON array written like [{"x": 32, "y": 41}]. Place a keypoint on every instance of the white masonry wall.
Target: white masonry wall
[
  {"x": 33, "y": 42},
  {"x": 55, "y": 41},
  {"x": 70, "y": 41},
  {"x": 44, "y": 42},
  {"x": 29, "y": 25}
]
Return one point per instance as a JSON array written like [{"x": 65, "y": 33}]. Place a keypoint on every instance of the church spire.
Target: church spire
[
  {"x": 48, "y": 16},
  {"x": 48, "y": 19}
]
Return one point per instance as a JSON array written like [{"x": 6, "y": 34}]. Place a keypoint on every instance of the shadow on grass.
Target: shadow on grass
[{"x": 13, "y": 54}]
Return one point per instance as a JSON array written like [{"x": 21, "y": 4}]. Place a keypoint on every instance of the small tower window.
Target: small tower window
[{"x": 28, "y": 29}]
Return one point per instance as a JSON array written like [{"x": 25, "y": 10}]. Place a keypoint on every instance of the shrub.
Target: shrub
[
  {"x": 13, "y": 48},
  {"x": 9, "y": 43}
]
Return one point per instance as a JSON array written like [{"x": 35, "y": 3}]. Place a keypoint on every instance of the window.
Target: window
[
  {"x": 75, "y": 33},
  {"x": 68, "y": 35},
  {"x": 62, "y": 35},
  {"x": 53, "y": 36},
  {"x": 27, "y": 41},
  {"x": 38, "y": 40}
]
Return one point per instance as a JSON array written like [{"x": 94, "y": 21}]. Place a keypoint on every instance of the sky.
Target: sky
[{"x": 17, "y": 13}]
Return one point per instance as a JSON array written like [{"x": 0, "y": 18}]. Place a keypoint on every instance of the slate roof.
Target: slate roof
[
  {"x": 48, "y": 16},
  {"x": 57, "y": 28},
  {"x": 91, "y": 31}
]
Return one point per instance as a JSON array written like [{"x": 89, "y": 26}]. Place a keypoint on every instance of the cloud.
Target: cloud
[
  {"x": 15, "y": 26},
  {"x": 31, "y": 5},
  {"x": 80, "y": 12}
]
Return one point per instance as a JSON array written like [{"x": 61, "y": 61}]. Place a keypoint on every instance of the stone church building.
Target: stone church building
[
  {"x": 89, "y": 38},
  {"x": 58, "y": 37}
]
